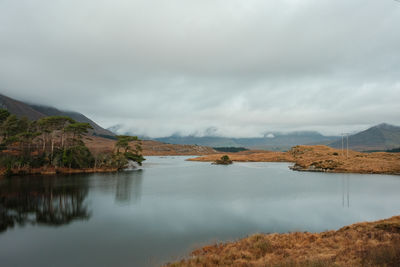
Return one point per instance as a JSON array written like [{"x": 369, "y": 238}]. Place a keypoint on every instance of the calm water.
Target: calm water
[{"x": 171, "y": 206}]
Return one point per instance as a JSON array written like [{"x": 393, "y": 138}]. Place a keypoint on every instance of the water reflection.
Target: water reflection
[
  {"x": 129, "y": 187},
  {"x": 183, "y": 205},
  {"x": 346, "y": 191},
  {"x": 41, "y": 200}
]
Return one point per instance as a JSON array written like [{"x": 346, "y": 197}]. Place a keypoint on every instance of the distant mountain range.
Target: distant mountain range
[
  {"x": 35, "y": 112},
  {"x": 378, "y": 138},
  {"x": 271, "y": 141}
]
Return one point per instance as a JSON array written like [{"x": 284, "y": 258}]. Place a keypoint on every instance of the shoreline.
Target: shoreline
[
  {"x": 320, "y": 159},
  {"x": 50, "y": 171},
  {"x": 300, "y": 169}
]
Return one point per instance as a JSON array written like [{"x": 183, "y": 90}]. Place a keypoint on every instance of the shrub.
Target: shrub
[{"x": 225, "y": 160}]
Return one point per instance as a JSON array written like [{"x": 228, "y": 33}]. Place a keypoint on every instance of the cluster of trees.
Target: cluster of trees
[
  {"x": 128, "y": 153},
  {"x": 57, "y": 141}
]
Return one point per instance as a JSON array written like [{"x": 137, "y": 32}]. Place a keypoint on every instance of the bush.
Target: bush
[
  {"x": 134, "y": 157},
  {"x": 119, "y": 161},
  {"x": 225, "y": 160}
]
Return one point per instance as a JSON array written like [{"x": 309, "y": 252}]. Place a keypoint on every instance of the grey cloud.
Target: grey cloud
[{"x": 239, "y": 67}]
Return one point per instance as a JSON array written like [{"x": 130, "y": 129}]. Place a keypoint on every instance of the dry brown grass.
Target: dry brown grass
[
  {"x": 362, "y": 244},
  {"x": 322, "y": 158},
  {"x": 150, "y": 148},
  {"x": 250, "y": 156}
]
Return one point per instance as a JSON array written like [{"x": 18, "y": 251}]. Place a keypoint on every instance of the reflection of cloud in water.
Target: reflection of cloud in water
[
  {"x": 251, "y": 165},
  {"x": 262, "y": 165},
  {"x": 161, "y": 162}
]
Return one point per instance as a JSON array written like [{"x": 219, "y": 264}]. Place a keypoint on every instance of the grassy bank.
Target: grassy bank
[{"x": 362, "y": 244}]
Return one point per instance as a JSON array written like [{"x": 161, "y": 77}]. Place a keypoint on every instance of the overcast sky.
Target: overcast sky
[{"x": 226, "y": 67}]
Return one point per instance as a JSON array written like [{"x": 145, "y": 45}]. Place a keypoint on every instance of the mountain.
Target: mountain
[
  {"x": 49, "y": 111},
  {"x": 271, "y": 141},
  {"x": 35, "y": 112},
  {"x": 380, "y": 137},
  {"x": 19, "y": 108}
]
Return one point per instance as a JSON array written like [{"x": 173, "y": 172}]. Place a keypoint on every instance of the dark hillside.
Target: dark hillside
[
  {"x": 35, "y": 112},
  {"x": 49, "y": 111},
  {"x": 380, "y": 137}
]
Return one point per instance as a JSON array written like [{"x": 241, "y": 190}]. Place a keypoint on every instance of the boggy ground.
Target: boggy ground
[
  {"x": 321, "y": 158},
  {"x": 362, "y": 244}
]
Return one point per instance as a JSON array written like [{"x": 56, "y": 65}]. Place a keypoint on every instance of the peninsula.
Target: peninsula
[{"x": 320, "y": 159}]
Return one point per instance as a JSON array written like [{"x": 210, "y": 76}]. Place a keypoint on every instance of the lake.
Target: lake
[{"x": 171, "y": 206}]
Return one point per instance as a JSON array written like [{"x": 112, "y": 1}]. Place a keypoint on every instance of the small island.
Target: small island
[{"x": 224, "y": 160}]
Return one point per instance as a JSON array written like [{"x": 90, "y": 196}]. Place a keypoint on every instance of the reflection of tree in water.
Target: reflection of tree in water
[
  {"x": 129, "y": 186},
  {"x": 49, "y": 201}
]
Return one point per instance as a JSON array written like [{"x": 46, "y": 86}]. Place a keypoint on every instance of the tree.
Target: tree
[
  {"x": 78, "y": 156},
  {"x": 50, "y": 126},
  {"x": 224, "y": 160},
  {"x": 26, "y": 140},
  {"x": 77, "y": 129},
  {"x": 136, "y": 157},
  {"x": 9, "y": 127},
  {"x": 18, "y": 136},
  {"x": 3, "y": 115},
  {"x": 134, "y": 154},
  {"x": 123, "y": 142},
  {"x": 119, "y": 161},
  {"x": 12, "y": 126}
]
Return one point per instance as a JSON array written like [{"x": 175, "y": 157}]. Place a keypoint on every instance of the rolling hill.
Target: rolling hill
[
  {"x": 34, "y": 112},
  {"x": 377, "y": 138}
]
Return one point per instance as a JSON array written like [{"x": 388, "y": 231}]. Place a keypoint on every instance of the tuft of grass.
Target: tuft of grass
[
  {"x": 392, "y": 227},
  {"x": 384, "y": 255},
  {"x": 259, "y": 245}
]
